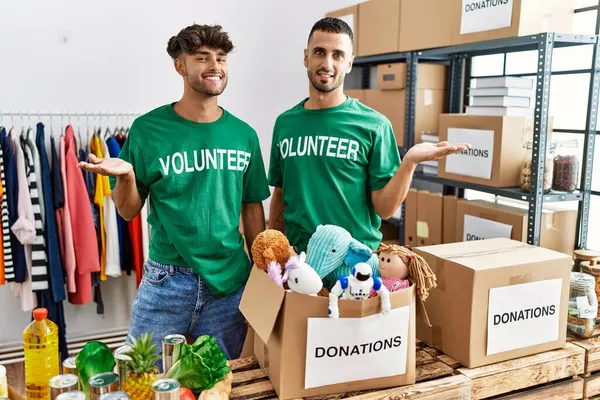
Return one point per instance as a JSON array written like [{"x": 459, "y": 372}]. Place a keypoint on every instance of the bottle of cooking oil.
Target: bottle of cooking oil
[{"x": 40, "y": 344}]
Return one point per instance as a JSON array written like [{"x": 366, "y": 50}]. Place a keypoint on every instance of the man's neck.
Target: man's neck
[
  {"x": 198, "y": 108},
  {"x": 321, "y": 100}
]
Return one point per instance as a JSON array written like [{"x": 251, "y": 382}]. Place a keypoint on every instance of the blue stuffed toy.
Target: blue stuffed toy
[{"x": 332, "y": 252}]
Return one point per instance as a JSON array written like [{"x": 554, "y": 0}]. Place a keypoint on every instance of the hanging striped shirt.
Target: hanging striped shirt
[
  {"x": 9, "y": 269},
  {"x": 39, "y": 263}
]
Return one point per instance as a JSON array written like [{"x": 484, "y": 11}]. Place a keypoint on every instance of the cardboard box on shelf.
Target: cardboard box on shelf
[
  {"x": 496, "y": 300},
  {"x": 449, "y": 225},
  {"x": 358, "y": 94},
  {"x": 392, "y": 103},
  {"x": 350, "y": 16},
  {"x": 411, "y": 207},
  {"x": 429, "y": 76},
  {"x": 497, "y": 148},
  {"x": 379, "y": 27},
  {"x": 430, "y": 218},
  {"x": 425, "y": 24},
  {"x": 479, "y": 219},
  {"x": 476, "y": 20},
  {"x": 306, "y": 353}
]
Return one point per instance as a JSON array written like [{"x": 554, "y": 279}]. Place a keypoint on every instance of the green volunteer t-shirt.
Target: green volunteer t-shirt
[
  {"x": 327, "y": 162},
  {"x": 197, "y": 175}
]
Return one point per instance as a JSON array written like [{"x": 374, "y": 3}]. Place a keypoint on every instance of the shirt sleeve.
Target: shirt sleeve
[
  {"x": 256, "y": 187},
  {"x": 132, "y": 154},
  {"x": 275, "y": 167},
  {"x": 384, "y": 157}
]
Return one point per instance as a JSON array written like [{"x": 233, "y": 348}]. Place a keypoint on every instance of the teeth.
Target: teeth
[{"x": 213, "y": 78}]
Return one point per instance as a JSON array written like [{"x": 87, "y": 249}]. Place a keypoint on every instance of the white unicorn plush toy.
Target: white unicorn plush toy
[{"x": 301, "y": 277}]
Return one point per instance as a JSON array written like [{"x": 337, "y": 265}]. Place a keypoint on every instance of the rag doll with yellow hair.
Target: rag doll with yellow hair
[{"x": 398, "y": 266}]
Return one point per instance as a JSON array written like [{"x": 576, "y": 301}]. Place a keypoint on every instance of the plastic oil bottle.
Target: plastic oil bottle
[{"x": 40, "y": 344}]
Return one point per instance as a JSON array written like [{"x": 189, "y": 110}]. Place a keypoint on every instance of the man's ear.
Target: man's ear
[
  {"x": 305, "y": 58},
  {"x": 179, "y": 65},
  {"x": 350, "y": 64}
]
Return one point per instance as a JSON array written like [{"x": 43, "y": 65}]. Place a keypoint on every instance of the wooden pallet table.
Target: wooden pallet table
[
  {"x": 549, "y": 375},
  {"x": 435, "y": 381},
  {"x": 592, "y": 365}
]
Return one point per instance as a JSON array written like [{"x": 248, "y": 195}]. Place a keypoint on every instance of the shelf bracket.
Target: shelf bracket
[
  {"x": 540, "y": 137},
  {"x": 588, "y": 151},
  {"x": 411, "y": 99}
]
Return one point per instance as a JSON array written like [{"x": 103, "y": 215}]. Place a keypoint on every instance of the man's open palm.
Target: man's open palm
[
  {"x": 107, "y": 166},
  {"x": 433, "y": 151}
]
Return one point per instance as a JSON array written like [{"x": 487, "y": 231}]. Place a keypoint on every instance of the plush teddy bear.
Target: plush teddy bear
[
  {"x": 270, "y": 246},
  {"x": 398, "y": 265}
]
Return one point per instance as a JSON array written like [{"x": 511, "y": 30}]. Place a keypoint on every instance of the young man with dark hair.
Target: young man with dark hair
[
  {"x": 202, "y": 168},
  {"x": 333, "y": 159}
]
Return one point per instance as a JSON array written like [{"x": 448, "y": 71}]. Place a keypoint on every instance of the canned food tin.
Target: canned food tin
[
  {"x": 171, "y": 350},
  {"x": 62, "y": 384},
  {"x": 122, "y": 368},
  {"x": 115, "y": 396},
  {"x": 69, "y": 366},
  {"x": 103, "y": 383},
  {"x": 73, "y": 395},
  {"x": 166, "y": 389}
]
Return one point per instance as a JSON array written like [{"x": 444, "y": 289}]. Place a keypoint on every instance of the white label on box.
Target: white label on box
[
  {"x": 476, "y": 228},
  {"x": 352, "y": 349},
  {"x": 524, "y": 315},
  {"x": 485, "y": 15},
  {"x": 476, "y": 161},
  {"x": 349, "y": 19}
]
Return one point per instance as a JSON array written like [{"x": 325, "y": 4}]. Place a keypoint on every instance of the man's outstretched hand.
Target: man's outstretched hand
[
  {"x": 433, "y": 151},
  {"x": 107, "y": 166}
]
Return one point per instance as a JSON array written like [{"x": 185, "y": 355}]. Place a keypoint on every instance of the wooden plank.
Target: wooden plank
[
  {"x": 592, "y": 386},
  {"x": 432, "y": 370},
  {"x": 257, "y": 390},
  {"x": 449, "y": 361},
  {"x": 508, "y": 376},
  {"x": 573, "y": 338},
  {"x": 592, "y": 349},
  {"x": 450, "y": 388},
  {"x": 248, "y": 376},
  {"x": 432, "y": 351},
  {"x": 243, "y": 364},
  {"x": 569, "y": 389},
  {"x": 423, "y": 357}
]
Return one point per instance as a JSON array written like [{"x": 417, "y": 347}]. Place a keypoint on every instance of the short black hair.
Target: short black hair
[
  {"x": 191, "y": 38},
  {"x": 332, "y": 25}
]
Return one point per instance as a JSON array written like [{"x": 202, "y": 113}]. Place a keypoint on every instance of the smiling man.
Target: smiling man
[
  {"x": 201, "y": 168},
  {"x": 333, "y": 159}
]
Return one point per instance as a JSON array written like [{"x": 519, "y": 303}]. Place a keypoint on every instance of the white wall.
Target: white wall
[{"x": 111, "y": 55}]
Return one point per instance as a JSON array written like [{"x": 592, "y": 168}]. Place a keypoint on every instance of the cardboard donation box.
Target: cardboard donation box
[
  {"x": 306, "y": 353},
  {"x": 478, "y": 20},
  {"x": 496, "y": 152},
  {"x": 479, "y": 219},
  {"x": 425, "y": 24},
  {"x": 496, "y": 300}
]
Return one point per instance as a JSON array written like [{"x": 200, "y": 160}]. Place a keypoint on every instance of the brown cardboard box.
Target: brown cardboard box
[
  {"x": 425, "y": 24},
  {"x": 358, "y": 94},
  {"x": 496, "y": 300},
  {"x": 429, "y": 76},
  {"x": 486, "y": 220},
  {"x": 392, "y": 103},
  {"x": 284, "y": 321},
  {"x": 497, "y": 148},
  {"x": 527, "y": 17},
  {"x": 350, "y": 16},
  {"x": 449, "y": 224},
  {"x": 430, "y": 218},
  {"x": 379, "y": 27},
  {"x": 410, "y": 217}
]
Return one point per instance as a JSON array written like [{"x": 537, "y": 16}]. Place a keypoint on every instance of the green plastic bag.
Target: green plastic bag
[
  {"x": 94, "y": 358},
  {"x": 202, "y": 364}
]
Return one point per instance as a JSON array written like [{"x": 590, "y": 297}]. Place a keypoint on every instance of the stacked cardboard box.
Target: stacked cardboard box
[
  {"x": 430, "y": 218},
  {"x": 389, "y": 98},
  {"x": 388, "y": 26}
]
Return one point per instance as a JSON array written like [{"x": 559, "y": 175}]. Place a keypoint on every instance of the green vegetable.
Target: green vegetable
[
  {"x": 94, "y": 358},
  {"x": 201, "y": 365}
]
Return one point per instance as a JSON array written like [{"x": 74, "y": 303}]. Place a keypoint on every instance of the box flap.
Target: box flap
[{"x": 260, "y": 303}]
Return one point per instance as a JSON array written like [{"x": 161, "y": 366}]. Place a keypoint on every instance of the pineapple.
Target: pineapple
[{"x": 142, "y": 368}]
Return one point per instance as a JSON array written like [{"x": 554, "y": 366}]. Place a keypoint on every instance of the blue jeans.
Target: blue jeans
[{"x": 175, "y": 300}]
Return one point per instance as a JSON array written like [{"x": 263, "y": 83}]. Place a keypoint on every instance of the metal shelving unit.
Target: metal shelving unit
[{"x": 459, "y": 60}]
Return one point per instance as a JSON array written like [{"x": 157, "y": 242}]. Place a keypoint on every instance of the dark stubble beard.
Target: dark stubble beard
[
  {"x": 315, "y": 82},
  {"x": 199, "y": 87}
]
